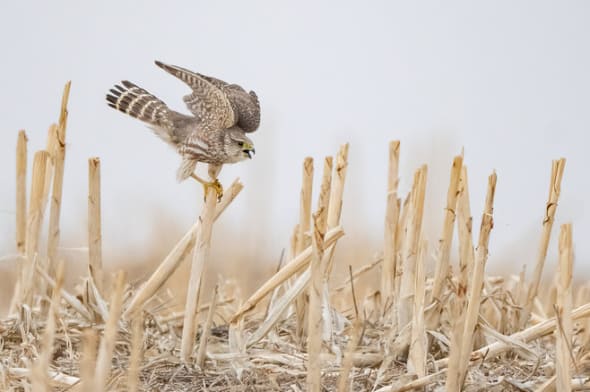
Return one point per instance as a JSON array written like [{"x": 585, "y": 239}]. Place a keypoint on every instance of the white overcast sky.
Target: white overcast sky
[{"x": 507, "y": 81}]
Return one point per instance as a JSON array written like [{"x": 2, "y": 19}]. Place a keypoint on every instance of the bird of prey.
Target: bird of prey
[{"x": 215, "y": 134}]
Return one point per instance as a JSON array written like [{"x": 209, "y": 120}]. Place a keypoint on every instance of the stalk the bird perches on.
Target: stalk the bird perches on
[{"x": 223, "y": 114}]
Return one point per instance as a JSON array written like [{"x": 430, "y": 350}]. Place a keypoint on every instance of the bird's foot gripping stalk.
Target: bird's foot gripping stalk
[{"x": 215, "y": 184}]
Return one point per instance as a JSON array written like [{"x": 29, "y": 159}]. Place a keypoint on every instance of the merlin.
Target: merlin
[{"x": 215, "y": 134}]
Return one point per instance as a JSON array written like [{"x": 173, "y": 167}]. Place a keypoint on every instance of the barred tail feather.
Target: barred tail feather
[{"x": 141, "y": 104}]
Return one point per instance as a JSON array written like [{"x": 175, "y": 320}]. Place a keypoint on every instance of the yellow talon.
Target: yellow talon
[{"x": 215, "y": 184}]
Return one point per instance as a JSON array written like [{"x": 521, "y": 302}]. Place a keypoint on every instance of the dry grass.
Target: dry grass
[{"x": 456, "y": 330}]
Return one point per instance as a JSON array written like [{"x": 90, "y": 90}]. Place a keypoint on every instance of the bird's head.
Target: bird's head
[{"x": 238, "y": 146}]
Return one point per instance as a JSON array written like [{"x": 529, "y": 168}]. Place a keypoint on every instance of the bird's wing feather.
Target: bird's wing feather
[
  {"x": 207, "y": 102},
  {"x": 214, "y": 81},
  {"x": 245, "y": 105}
]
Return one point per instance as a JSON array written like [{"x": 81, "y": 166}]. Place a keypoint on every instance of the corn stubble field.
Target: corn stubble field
[{"x": 456, "y": 330}]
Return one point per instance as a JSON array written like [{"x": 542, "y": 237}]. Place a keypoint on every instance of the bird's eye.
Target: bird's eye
[{"x": 241, "y": 144}]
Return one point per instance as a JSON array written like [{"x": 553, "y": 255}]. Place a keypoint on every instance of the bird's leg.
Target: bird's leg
[{"x": 215, "y": 184}]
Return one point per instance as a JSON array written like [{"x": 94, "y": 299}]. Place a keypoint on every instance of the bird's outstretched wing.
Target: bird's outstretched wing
[
  {"x": 207, "y": 101},
  {"x": 245, "y": 105}
]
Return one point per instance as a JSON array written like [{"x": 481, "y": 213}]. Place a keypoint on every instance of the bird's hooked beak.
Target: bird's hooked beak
[{"x": 249, "y": 150}]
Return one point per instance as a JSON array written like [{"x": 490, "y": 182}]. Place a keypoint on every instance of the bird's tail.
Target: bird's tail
[{"x": 143, "y": 105}]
